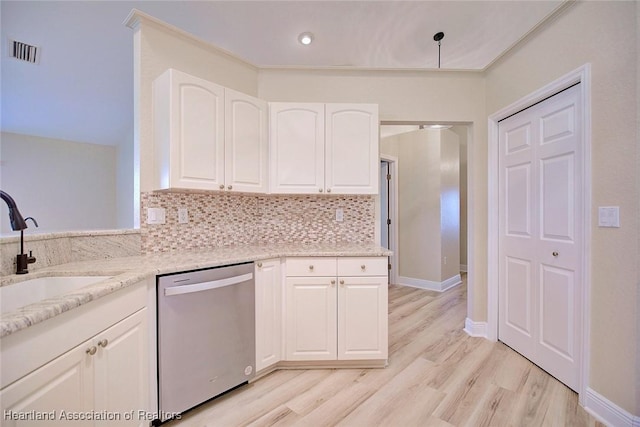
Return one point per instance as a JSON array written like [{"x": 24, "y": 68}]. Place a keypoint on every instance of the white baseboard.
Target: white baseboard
[
  {"x": 463, "y": 268},
  {"x": 475, "y": 329},
  {"x": 608, "y": 412},
  {"x": 430, "y": 285}
]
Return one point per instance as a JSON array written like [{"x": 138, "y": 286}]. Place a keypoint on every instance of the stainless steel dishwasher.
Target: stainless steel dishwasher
[{"x": 206, "y": 335}]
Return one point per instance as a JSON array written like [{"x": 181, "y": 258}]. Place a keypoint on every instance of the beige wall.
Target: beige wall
[
  {"x": 156, "y": 49},
  {"x": 428, "y": 204},
  {"x": 64, "y": 185},
  {"x": 603, "y": 34},
  {"x": 449, "y": 169},
  {"x": 462, "y": 131}
]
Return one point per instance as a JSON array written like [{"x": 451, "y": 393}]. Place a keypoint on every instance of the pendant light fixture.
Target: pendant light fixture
[{"x": 438, "y": 37}]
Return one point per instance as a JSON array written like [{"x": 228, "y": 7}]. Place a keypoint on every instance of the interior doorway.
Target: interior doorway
[{"x": 388, "y": 204}]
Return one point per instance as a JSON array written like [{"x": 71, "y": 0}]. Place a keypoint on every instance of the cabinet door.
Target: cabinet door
[
  {"x": 121, "y": 369},
  {"x": 352, "y": 157},
  {"x": 188, "y": 132},
  {"x": 297, "y": 148},
  {"x": 246, "y": 140},
  {"x": 311, "y": 317},
  {"x": 268, "y": 313},
  {"x": 57, "y": 390},
  {"x": 362, "y": 318}
]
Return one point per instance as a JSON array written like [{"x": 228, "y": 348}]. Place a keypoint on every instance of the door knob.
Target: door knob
[{"x": 554, "y": 253}]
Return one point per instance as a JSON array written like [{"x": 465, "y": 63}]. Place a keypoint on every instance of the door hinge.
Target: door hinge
[
  {"x": 389, "y": 266},
  {"x": 388, "y": 221},
  {"x": 388, "y": 177}
]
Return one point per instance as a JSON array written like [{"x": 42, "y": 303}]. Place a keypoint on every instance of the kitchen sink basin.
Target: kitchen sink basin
[{"x": 17, "y": 295}]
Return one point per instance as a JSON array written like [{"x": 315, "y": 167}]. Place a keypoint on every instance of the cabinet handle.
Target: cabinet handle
[
  {"x": 328, "y": 190},
  {"x": 320, "y": 190},
  {"x": 259, "y": 265},
  {"x": 91, "y": 350},
  {"x": 341, "y": 282},
  {"x": 311, "y": 267},
  {"x": 103, "y": 343},
  {"x": 229, "y": 187},
  {"x": 222, "y": 186},
  {"x": 333, "y": 282},
  {"x": 363, "y": 267}
]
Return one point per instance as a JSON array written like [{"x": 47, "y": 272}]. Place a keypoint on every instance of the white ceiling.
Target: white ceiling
[{"x": 82, "y": 89}]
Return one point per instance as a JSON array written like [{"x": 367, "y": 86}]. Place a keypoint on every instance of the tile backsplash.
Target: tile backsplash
[{"x": 228, "y": 219}]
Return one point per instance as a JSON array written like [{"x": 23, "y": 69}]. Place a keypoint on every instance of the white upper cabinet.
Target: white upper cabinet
[
  {"x": 245, "y": 143},
  {"x": 188, "y": 132},
  {"x": 208, "y": 137},
  {"x": 351, "y": 150},
  {"x": 297, "y": 148},
  {"x": 324, "y": 148}
]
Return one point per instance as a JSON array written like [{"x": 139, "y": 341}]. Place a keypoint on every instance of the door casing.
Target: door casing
[{"x": 581, "y": 75}]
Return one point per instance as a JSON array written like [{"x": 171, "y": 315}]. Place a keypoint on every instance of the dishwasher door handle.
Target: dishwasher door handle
[{"x": 206, "y": 286}]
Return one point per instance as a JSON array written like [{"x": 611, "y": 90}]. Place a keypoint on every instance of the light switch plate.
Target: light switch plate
[
  {"x": 339, "y": 215},
  {"x": 155, "y": 216},
  {"x": 609, "y": 216}
]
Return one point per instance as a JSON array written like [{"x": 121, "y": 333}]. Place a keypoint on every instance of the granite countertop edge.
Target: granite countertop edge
[{"x": 128, "y": 271}]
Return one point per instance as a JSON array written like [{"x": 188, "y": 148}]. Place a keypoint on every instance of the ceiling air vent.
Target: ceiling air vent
[{"x": 24, "y": 52}]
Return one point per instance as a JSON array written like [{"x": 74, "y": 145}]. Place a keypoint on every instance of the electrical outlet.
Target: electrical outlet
[
  {"x": 339, "y": 215},
  {"x": 445, "y": 260},
  {"x": 183, "y": 216}
]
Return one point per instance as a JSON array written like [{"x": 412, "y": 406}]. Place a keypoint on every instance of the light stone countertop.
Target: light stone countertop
[{"x": 131, "y": 270}]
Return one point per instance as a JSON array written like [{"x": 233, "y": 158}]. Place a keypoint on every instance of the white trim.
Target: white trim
[
  {"x": 608, "y": 412},
  {"x": 463, "y": 268},
  {"x": 430, "y": 285},
  {"x": 393, "y": 200},
  {"x": 581, "y": 75},
  {"x": 475, "y": 329}
]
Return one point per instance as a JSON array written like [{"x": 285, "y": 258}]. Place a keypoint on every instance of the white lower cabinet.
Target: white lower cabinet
[
  {"x": 336, "y": 308},
  {"x": 268, "y": 282},
  {"x": 104, "y": 377},
  {"x": 311, "y": 320}
]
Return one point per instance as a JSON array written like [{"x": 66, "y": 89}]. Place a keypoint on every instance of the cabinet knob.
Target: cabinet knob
[
  {"x": 554, "y": 253},
  {"x": 229, "y": 187},
  {"x": 341, "y": 282},
  {"x": 363, "y": 267},
  {"x": 222, "y": 186},
  {"x": 319, "y": 190},
  {"x": 259, "y": 265},
  {"x": 311, "y": 267},
  {"x": 103, "y": 343},
  {"x": 91, "y": 350},
  {"x": 328, "y": 190},
  {"x": 333, "y": 282}
]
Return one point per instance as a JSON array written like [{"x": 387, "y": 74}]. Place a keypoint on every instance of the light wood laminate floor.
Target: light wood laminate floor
[{"x": 437, "y": 376}]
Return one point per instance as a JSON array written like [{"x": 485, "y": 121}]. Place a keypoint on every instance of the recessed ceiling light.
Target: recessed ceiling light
[{"x": 305, "y": 38}]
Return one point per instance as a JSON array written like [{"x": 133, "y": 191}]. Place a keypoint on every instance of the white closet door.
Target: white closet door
[{"x": 541, "y": 201}]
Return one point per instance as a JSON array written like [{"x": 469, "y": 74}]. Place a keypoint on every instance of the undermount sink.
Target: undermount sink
[{"x": 17, "y": 295}]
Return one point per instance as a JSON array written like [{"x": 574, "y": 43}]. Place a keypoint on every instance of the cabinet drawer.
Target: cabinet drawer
[
  {"x": 362, "y": 266},
  {"x": 311, "y": 266}
]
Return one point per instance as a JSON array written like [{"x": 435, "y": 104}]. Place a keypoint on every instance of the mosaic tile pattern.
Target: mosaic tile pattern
[{"x": 226, "y": 219}]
